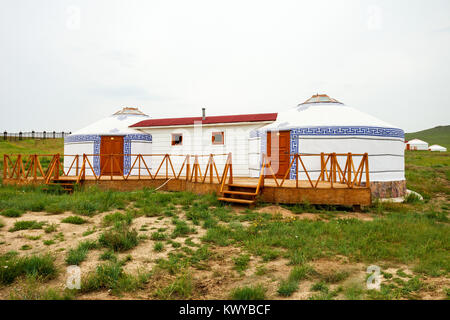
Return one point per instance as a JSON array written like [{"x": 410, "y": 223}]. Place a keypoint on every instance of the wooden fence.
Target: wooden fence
[
  {"x": 16, "y": 136},
  {"x": 48, "y": 167}
]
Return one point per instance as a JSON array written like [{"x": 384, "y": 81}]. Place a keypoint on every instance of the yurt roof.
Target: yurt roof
[
  {"x": 322, "y": 111},
  {"x": 116, "y": 124},
  {"x": 417, "y": 141},
  {"x": 437, "y": 147}
]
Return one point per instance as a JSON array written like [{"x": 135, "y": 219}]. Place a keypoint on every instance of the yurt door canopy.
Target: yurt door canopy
[{"x": 109, "y": 143}]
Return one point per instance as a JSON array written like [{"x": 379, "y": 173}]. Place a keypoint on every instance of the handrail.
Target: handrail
[
  {"x": 332, "y": 174},
  {"x": 81, "y": 164}
]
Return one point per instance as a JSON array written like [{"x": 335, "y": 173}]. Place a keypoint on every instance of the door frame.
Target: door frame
[
  {"x": 105, "y": 166},
  {"x": 269, "y": 150}
]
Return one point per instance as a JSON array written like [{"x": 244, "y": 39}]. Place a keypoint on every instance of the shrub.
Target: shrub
[
  {"x": 78, "y": 255},
  {"x": 241, "y": 262},
  {"x": 108, "y": 255},
  {"x": 181, "y": 228},
  {"x": 12, "y": 267},
  {"x": 74, "y": 220},
  {"x": 119, "y": 238},
  {"x": 26, "y": 225},
  {"x": 181, "y": 288},
  {"x": 158, "y": 236},
  {"x": 159, "y": 246},
  {"x": 12, "y": 213},
  {"x": 257, "y": 292},
  {"x": 118, "y": 217},
  {"x": 287, "y": 288},
  {"x": 111, "y": 276}
]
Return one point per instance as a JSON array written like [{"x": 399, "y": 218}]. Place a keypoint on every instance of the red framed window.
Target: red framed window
[
  {"x": 217, "y": 138},
  {"x": 177, "y": 139}
]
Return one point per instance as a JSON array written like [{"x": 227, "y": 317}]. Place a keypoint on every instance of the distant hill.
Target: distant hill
[{"x": 438, "y": 135}]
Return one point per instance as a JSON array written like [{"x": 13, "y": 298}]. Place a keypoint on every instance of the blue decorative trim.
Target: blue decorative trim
[
  {"x": 294, "y": 150},
  {"x": 349, "y": 131},
  {"x": 96, "y": 139},
  {"x": 92, "y": 138},
  {"x": 127, "y": 148}
]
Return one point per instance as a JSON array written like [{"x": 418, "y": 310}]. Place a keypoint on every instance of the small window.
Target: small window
[
  {"x": 177, "y": 139},
  {"x": 217, "y": 138}
]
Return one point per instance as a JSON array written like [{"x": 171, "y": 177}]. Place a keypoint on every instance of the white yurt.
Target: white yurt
[
  {"x": 416, "y": 144},
  {"x": 323, "y": 124},
  {"x": 436, "y": 147},
  {"x": 108, "y": 136}
]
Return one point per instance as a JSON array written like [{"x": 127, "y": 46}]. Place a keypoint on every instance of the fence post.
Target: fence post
[
  {"x": 83, "y": 168},
  {"x": 5, "y": 166},
  {"x": 188, "y": 167},
  {"x": 349, "y": 168}
]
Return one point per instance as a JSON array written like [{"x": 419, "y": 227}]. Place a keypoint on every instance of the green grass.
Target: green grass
[
  {"x": 110, "y": 276},
  {"x": 12, "y": 213},
  {"x": 257, "y": 292},
  {"x": 78, "y": 255},
  {"x": 241, "y": 262},
  {"x": 26, "y": 225},
  {"x": 287, "y": 288},
  {"x": 37, "y": 266},
  {"x": 180, "y": 288},
  {"x": 74, "y": 220},
  {"x": 158, "y": 246},
  {"x": 407, "y": 238},
  {"x": 119, "y": 238},
  {"x": 114, "y": 218},
  {"x": 108, "y": 255}
]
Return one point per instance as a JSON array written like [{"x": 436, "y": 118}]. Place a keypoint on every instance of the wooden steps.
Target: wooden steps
[
  {"x": 239, "y": 193},
  {"x": 67, "y": 185}
]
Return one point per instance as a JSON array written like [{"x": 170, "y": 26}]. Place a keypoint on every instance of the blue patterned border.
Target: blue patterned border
[
  {"x": 96, "y": 139},
  {"x": 92, "y": 138},
  {"x": 349, "y": 131},
  {"x": 127, "y": 148}
]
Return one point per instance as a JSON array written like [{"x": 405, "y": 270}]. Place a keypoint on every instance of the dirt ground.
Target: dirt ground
[{"x": 216, "y": 281}]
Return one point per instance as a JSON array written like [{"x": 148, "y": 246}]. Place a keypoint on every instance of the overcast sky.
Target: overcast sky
[{"x": 65, "y": 64}]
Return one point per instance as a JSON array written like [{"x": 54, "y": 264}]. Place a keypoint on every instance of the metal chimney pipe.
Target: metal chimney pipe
[{"x": 203, "y": 113}]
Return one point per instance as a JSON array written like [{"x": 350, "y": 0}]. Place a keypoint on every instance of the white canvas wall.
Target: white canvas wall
[
  {"x": 197, "y": 140},
  {"x": 80, "y": 148},
  {"x": 144, "y": 148},
  {"x": 386, "y": 156}
]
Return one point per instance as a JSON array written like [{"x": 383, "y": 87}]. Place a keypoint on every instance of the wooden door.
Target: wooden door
[
  {"x": 283, "y": 145},
  {"x": 111, "y": 145}
]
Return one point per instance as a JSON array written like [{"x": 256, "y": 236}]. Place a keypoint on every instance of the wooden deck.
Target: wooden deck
[{"x": 335, "y": 185}]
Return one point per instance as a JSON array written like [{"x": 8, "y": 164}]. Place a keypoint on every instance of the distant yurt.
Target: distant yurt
[
  {"x": 108, "y": 136},
  {"x": 323, "y": 124},
  {"x": 416, "y": 144},
  {"x": 436, "y": 147}
]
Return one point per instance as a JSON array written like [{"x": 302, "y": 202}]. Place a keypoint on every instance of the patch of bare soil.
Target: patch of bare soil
[{"x": 286, "y": 213}]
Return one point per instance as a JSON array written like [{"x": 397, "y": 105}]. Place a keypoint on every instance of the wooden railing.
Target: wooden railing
[
  {"x": 29, "y": 167},
  {"x": 330, "y": 170},
  {"x": 350, "y": 173}
]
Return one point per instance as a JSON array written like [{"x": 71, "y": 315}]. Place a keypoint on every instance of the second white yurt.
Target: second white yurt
[
  {"x": 416, "y": 144},
  {"x": 323, "y": 124},
  {"x": 436, "y": 147},
  {"x": 109, "y": 144}
]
